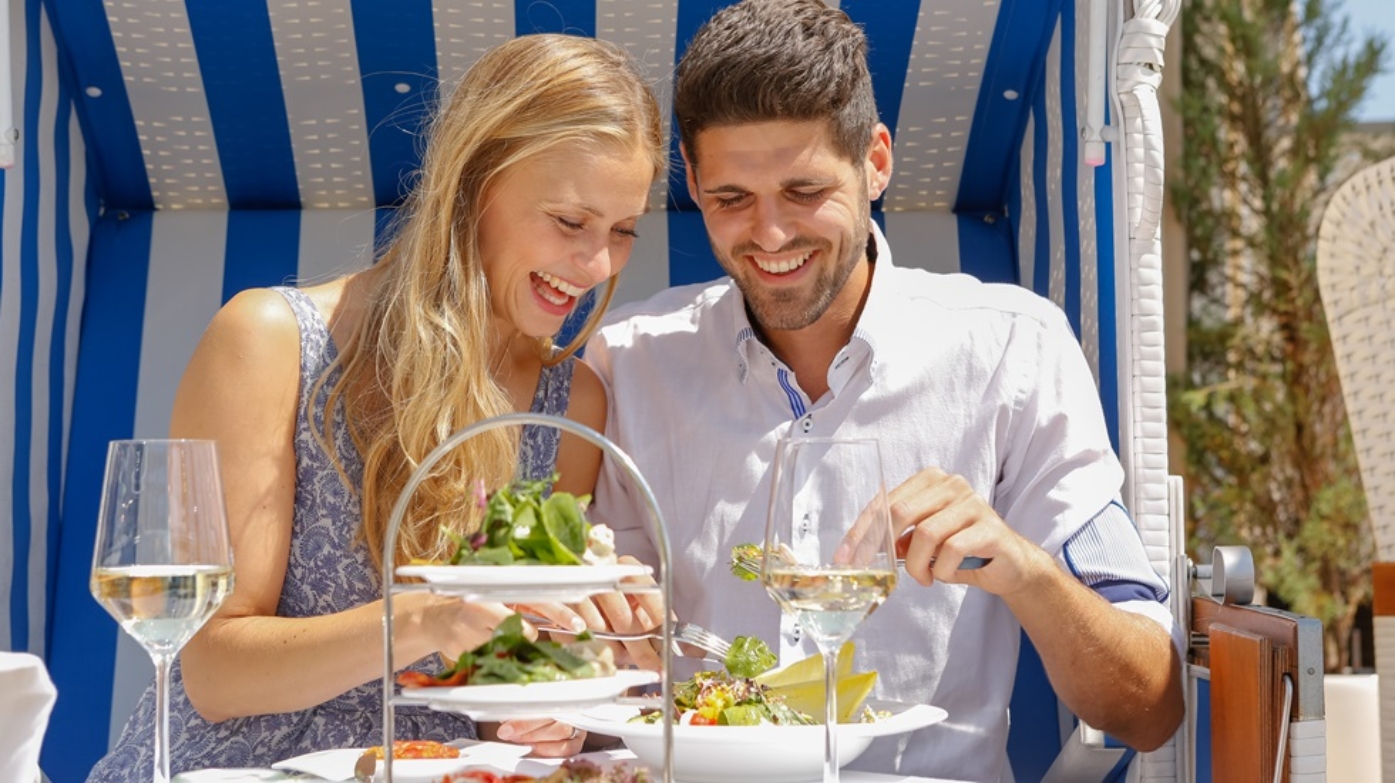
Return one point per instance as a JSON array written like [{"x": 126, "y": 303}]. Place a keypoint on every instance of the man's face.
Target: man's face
[{"x": 788, "y": 217}]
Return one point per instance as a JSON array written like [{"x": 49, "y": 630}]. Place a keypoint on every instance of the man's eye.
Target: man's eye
[
  {"x": 730, "y": 201},
  {"x": 799, "y": 195}
]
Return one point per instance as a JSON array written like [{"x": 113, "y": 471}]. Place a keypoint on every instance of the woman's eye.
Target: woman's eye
[
  {"x": 570, "y": 225},
  {"x": 627, "y": 232}
]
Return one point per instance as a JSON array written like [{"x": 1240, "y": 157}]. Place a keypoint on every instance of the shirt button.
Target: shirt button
[{"x": 807, "y": 424}]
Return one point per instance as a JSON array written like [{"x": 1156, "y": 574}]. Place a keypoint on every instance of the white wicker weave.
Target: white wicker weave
[{"x": 1356, "y": 276}]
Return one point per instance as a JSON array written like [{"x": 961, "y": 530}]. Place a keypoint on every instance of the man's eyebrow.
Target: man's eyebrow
[
  {"x": 789, "y": 184},
  {"x": 807, "y": 182},
  {"x": 725, "y": 189}
]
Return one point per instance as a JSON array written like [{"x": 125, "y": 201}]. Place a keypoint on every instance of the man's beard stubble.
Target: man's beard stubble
[{"x": 789, "y": 309}]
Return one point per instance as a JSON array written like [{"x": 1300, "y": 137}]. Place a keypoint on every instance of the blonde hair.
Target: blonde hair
[{"x": 416, "y": 369}]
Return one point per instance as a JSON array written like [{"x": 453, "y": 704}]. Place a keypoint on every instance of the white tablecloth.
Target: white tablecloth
[{"x": 263, "y": 775}]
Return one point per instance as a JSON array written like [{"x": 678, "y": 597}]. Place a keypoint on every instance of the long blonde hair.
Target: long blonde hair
[{"x": 416, "y": 368}]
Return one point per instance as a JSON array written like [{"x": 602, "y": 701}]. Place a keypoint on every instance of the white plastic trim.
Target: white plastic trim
[
  {"x": 7, "y": 107},
  {"x": 1385, "y": 662},
  {"x": 1307, "y": 751},
  {"x": 1138, "y": 67}
]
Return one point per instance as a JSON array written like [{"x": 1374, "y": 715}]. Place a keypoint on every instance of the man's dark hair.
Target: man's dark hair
[{"x": 766, "y": 60}]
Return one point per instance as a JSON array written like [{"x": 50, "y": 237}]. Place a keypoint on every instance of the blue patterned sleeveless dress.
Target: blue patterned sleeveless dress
[{"x": 328, "y": 571}]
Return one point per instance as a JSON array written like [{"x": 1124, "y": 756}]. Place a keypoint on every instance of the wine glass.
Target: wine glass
[
  {"x": 830, "y": 554},
  {"x": 162, "y": 562}
]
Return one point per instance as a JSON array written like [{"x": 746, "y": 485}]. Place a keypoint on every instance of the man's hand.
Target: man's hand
[
  {"x": 627, "y": 613},
  {"x": 938, "y": 520}
]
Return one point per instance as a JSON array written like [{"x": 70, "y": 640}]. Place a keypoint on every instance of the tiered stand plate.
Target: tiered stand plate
[{"x": 520, "y": 584}]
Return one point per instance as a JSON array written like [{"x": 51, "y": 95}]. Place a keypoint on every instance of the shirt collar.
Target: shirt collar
[{"x": 875, "y": 318}]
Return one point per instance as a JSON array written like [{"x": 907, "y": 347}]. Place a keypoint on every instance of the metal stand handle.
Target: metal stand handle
[{"x": 656, "y": 521}]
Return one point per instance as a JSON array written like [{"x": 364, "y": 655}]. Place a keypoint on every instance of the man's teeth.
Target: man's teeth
[
  {"x": 562, "y": 287},
  {"x": 782, "y": 267}
]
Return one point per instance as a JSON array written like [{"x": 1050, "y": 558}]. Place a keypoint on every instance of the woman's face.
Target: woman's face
[{"x": 556, "y": 226}]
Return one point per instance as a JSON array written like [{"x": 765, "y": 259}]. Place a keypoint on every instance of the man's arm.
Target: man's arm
[{"x": 1116, "y": 670}]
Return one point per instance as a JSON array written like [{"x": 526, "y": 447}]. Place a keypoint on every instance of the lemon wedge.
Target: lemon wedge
[
  {"x": 808, "y": 669},
  {"x": 802, "y": 684},
  {"x": 807, "y": 697}
]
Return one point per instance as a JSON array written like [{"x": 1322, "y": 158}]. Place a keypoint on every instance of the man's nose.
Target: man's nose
[{"x": 769, "y": 225}]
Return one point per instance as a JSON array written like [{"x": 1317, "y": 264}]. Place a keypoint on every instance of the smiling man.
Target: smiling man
[{"x": 990, "y": 425}]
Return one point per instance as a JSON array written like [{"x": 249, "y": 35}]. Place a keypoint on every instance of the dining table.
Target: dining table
[{"x": 603, "y": 758}]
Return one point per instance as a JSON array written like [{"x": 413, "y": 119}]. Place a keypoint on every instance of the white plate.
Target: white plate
[
  {"x": 534, "y": 699},
  {"x": 770, "y": 754},
  {"x": 522, "y": 583},
  {"x": 338, "y": 764}
]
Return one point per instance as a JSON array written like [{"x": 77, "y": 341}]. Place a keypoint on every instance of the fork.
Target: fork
[
  {"x": 751, "y": 565},
  {"x": 689, "y": 641}
]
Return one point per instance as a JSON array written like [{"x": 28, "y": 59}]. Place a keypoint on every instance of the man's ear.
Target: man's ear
[
  {"x": 688, "y": 170},
  {"x": 879, "y": 161}
]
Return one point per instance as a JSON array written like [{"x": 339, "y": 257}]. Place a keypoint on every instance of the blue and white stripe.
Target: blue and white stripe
[{"x": 46, "y": 213}]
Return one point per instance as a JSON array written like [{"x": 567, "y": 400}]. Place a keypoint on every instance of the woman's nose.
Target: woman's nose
[{"x": 598, "y": 264}]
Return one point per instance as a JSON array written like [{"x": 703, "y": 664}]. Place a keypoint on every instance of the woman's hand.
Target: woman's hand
[
  {"x": 446, "y": 624},
  {"x": 548, "y": 738}
]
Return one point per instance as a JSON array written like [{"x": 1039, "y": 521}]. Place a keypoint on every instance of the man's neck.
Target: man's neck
[{"x": 809, "y": 352}]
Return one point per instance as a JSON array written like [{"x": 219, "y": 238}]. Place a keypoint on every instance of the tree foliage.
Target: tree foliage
[{"x": 1269, "y": 92}]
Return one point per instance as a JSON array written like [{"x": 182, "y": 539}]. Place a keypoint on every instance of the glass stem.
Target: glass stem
[
  {"x": 830, "y": 723},
  {"x": 163, "y": 663}
]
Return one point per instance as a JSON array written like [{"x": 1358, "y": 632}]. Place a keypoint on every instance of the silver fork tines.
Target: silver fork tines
[
  {"x": 689, "y": 641},
  {"x": 752, "y": 565}
]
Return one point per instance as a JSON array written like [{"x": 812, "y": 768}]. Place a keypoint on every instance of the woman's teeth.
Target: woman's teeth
[
  {"x": 782, "y": 267},
  {"x": 559, "y": 286}
]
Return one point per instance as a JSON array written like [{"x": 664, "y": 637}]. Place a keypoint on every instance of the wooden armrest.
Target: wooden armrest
[{"x": 1248, "y": 651}]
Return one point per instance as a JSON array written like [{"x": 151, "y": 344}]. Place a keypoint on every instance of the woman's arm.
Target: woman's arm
[{"x": 241, "y": 389}]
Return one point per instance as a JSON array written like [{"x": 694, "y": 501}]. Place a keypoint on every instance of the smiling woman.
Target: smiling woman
[{"x": 322, "y": 399}]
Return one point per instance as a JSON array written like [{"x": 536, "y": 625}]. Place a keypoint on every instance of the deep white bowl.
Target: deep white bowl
[{"x": 770, "y": 754}]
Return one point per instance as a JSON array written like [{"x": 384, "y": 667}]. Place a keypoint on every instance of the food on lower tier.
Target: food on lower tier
[
  {"x": 417, "y": 749},
  {"x": 573, "y": 771},
  {"x": 509, "y": 657}
]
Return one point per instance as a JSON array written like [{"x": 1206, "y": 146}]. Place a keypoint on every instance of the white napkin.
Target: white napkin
[{"x": 26, "y": 699}]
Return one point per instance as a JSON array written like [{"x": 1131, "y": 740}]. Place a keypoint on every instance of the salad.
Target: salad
[
  {"x": 731, "y": 697},
  {"x": 509, "y": 657},
  {"x": 524, "y": 524}
]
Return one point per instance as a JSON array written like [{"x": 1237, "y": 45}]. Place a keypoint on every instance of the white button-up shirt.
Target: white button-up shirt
[{"x": 985, "y": 381}]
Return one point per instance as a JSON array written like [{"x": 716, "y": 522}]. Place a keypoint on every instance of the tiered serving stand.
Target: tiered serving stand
[{"x": 514, "y": 592}]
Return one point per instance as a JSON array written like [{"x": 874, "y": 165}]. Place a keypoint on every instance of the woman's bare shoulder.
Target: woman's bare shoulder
[{"x": 587, "y": 403}]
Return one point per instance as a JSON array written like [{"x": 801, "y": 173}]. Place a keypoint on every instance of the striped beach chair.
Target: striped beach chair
[{"x": 173, "y": 152}]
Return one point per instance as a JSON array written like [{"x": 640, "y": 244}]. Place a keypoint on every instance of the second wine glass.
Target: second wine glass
[{"x": 830, "y": 554}]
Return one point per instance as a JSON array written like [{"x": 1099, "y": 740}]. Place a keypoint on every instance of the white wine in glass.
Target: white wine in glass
[
  {"x": 830, "y": 554},
  {"x": 162, "y": 563}
]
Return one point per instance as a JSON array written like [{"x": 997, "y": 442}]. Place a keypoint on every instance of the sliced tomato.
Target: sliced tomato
[
  {"x": 476, "y": 775},
  {"x": 413, "y": 679}
]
